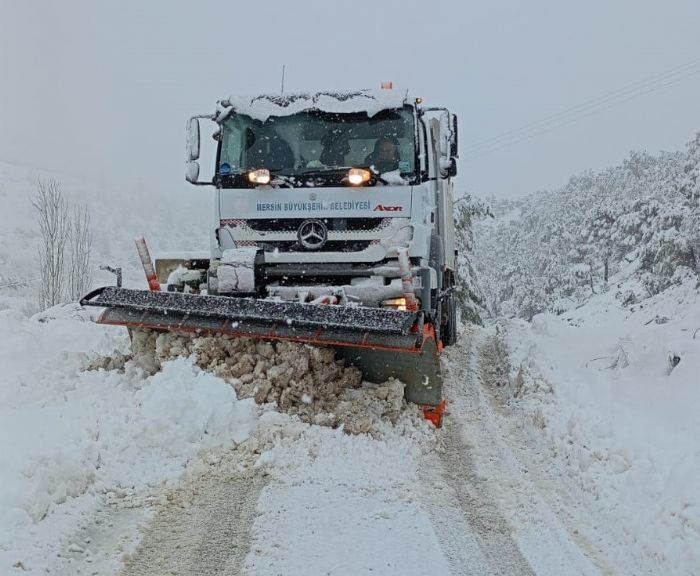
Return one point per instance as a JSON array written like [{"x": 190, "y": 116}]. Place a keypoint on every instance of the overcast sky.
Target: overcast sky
[{"x": 103, "y": 89}]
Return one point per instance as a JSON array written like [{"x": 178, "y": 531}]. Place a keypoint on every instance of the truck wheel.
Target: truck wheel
[
  {"x": 448, "y": 330},
  {"x": 438, "y": 321}
]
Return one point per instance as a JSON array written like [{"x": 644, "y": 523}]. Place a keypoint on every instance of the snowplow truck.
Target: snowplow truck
[{"x": 333, "y": 226}]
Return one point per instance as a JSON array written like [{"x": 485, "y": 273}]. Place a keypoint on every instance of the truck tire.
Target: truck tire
[
  {"x": 438, "y": 321},
  {"x": 448, "y": 330}
]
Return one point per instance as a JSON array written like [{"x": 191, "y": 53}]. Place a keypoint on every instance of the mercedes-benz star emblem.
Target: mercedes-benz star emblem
[{"x": 312, "y": 234}]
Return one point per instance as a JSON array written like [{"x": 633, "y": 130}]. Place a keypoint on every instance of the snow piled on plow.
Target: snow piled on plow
[{"x": 301, "y": 380}]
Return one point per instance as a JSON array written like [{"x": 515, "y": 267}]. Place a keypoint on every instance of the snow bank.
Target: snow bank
[
  {"x": 615, "y": 393},
  {"x": 75, "y": 435}
]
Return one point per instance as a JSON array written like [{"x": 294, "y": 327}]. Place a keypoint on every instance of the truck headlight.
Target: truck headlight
[
  {"x": 357, "y": 176},
  {"x": 261, "y": 176}
]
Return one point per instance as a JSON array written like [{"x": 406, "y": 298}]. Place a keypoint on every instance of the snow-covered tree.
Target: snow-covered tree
[
  {"x": 552, "y": 250},
  {"x": 469, "y": 294},
  {"x": 54, "y": 226},
  {"x": 690, "y": 188},
  {"x": 65, "y": 246}
]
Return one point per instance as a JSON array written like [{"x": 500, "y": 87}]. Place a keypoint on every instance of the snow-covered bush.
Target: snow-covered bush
[
  {"x": 469, "y": 294},
  {"x": 553, "y": 250}
]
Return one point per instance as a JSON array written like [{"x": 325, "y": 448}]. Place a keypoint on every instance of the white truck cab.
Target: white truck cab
[{"x": 317, "y": 195}]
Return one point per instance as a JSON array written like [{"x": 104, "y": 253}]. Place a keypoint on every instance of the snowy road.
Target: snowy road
[
  {"x": 298, "y": 499},
  {"x": 203, "y": 529},
  {"x": 497, "y": 495}
]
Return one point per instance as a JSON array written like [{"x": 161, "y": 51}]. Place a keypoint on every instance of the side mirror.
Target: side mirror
[
  {"x": 448, "y": 144},
  {"x": 193, "y": 150},
  {"x": 448, "y": 134},
  {"x": 448, "y": 166},
  {"x": 192, "y": 140},
  {"x": 192, "y": 172}
]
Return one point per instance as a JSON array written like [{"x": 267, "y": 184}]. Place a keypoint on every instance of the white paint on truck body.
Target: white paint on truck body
[{"x": 269, "y": 202}]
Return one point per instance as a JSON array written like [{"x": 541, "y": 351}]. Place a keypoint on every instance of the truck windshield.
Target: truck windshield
[{"x": 314, "y": 142}]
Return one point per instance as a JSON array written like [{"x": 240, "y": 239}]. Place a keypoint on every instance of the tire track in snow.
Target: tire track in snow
[
  {"x": 549, "y": 490},
  {"x": 474, "y": 535},
  {"x": 492, "y": 532},
  {"x": 203, "y": 529},
  {"x": 545, "y": 541}
]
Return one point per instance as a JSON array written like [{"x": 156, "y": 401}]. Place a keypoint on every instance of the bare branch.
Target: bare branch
[
  {"x": 54, "y": 226},
  {"x": 80, "y": 270}
]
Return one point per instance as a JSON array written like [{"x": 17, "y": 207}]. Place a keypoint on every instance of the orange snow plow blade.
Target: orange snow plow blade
[{"x": 382, "y": 343}]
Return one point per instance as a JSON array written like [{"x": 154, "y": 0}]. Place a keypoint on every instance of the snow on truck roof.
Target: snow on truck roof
[{"x": 262, "y": 106}]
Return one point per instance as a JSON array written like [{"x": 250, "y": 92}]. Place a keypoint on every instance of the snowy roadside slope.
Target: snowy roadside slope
[
  {"x": 599, "y": 387},
  {"x": 170, "y": 220},
  {"x": 72, "y": 437}
]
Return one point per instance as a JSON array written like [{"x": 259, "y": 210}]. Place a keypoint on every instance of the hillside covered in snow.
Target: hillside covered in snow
[
  {"x": 170, "y": 220},
  {"x": 638, "y": 222},
  {"x": 594, "y": 294}
]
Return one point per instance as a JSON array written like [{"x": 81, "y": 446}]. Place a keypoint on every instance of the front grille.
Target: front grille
[
  {"x": 333, "y": 224},
  {"x": 330, "y": 246}
]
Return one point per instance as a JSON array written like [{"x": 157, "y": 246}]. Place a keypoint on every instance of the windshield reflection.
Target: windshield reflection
[{"x": 319, "y": 143}]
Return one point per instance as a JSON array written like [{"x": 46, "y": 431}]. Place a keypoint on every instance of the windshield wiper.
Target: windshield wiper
[
  {"x": 321, "y": 171},
  {"x": 288, "y": 180}
]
